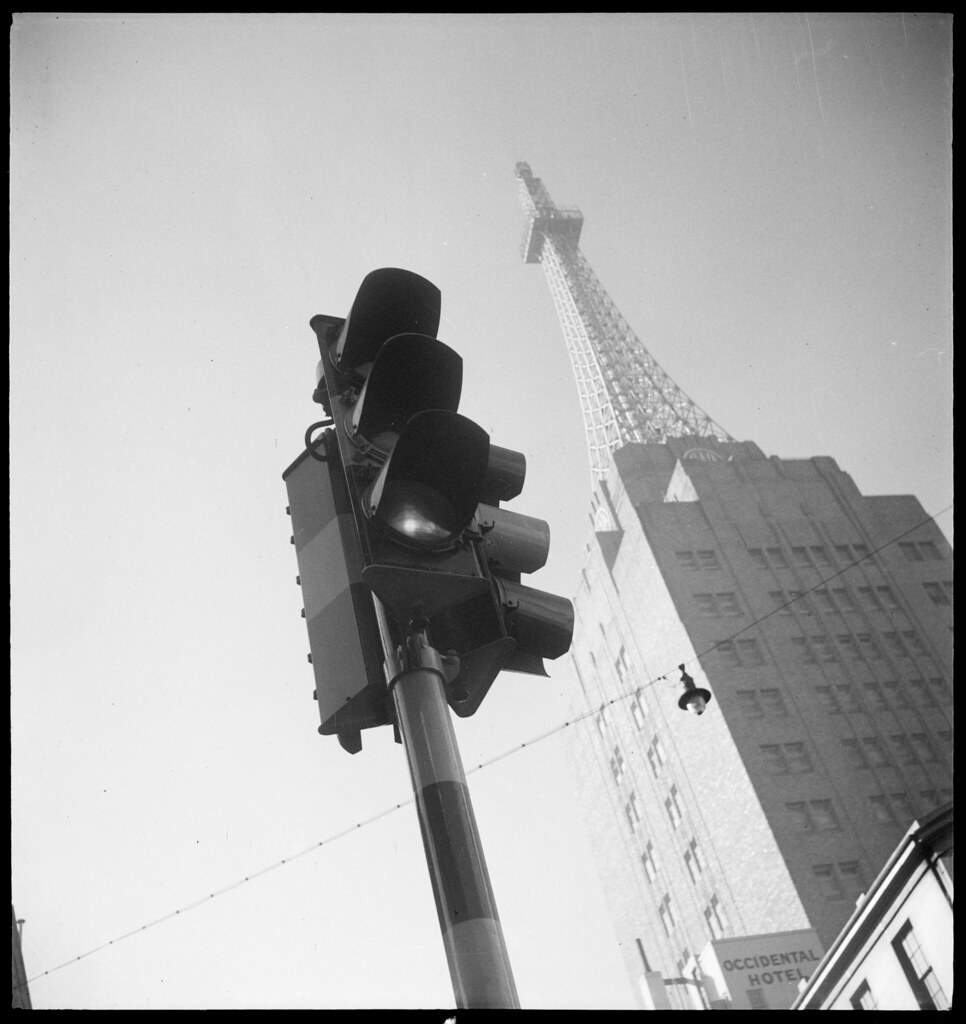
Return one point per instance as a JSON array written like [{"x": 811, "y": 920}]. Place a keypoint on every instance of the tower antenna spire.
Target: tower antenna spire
[{"x": 625, "y": 395}]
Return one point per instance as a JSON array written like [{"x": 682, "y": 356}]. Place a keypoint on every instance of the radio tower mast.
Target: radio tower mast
[{"x": 624, "y": 393}]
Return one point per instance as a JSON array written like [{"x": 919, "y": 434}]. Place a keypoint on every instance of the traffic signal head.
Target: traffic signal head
[{"x": 425, "y": 485}]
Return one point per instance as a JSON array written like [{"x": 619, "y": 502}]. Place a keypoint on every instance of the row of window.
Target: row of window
[
  {"x": 747, "y": 653},
  {"x": 805, "y": 557},
  {"x": 920, "y": 551},
  {"x": 918, "y": 971},
  {"x": 857, "y": 647},
  {"x": 862, "y": 752},
  {"x": 714, "y": 916},
  {"x": 835, "y": 600},
  {"x": 939, "y": 592},
  {"x": 888, "y": 695},
  {"x": 891, "y": 809},
  {"x": 839, "y": 881},
  {"x": 672, "y": 805},
  {"x": 815, "y": 556},
  {"x": 905, "y": 749}
]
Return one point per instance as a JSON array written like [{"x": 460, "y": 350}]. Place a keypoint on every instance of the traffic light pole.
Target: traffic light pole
[{"x": 472, "y": 934}]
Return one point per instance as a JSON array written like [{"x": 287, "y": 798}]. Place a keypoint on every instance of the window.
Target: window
[
  {"x": 887, "y": 598},
  {"x": 777, "y": 558},
  {"x": 621, "y": 667},
  {"x": 901, "y": 808},
  {"x": 922, "y": 747},
  {"x": 823, "y": 601},
  {"x": 773, "y": 703},
  {"x": 913, "y": 641},
  {"x": 861, "y": 998},
  {"x": 892, "y": 810},
  {"x": 934, "y": 798},
  {"x": 843, "y": 599},
  {"x": 940, "y": 691},
  {"x": 919, "y": 973},
  {"x": 756, "y": 999},
  {"x": 785, "y": 758},
  {"x": 798, "y": 816},
  {"x": 673, "y": 808},
  {"x": 847, "y": 701},
  {"x": 839, "y": 881},
  {"x": 882, "y": 810},
  {"x": 649, "y": 860},
  {"x": 709, "y": 560},
  {"x": 864, "y": 753},
  {"x": 603, "y": 722},
  {"x": 848, "y": 647},
  {"x": 687, "y": 560},
  {"x": 853, "y": 553},
  {"x": 875, "y": 697},
  {"x": 803, "y": 653},
  {"x": 717, "y": 605},
  {"x": 689, "y": 864},
  {"x": 741, "y": 653},
  {"x": 813, "y": 816},
  {"x": 822, "y": 646},
  {"x": 905, "y": 754},
  {"x": 617, "y": 765},
  {"x": 728, "y": 654},
  {"x": 748, "y": 703},
  {"x": 937, "y": 593},
  {"x": 827, "y": 882},
  {"x": 826, "y": 698},
  {"x": 894, "y": 644},
  {"x": 727, "y": 604},
  {"x": 868, "y": 649},
  {"x": 633, "y": 816},
  {"x": 896, "y": 694},
  {"x": 823, "y": 816},
  {"x": 919, "y": 551},
  {"x": 820, "y": 556},
  {"x": 713, "y": 925},
  {"x": 920, "y": 691},
  {"x": 692, "y": 859},
  {"x": 868, "y": 600},
  {"x": 758, "y": 557},
  {"x": 637, "y": 711},
  {"x": 874, "y": 754},
  {"x": 801, "y": 559},
  {"x": 667, "y": 914},
  {"x": 750, "y": 653},
  {"x": 656, "y": 756},
  {"x": 719, "y": 913}
]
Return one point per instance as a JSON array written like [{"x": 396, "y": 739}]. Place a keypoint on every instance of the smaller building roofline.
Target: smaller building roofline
[{"x": 930, "y": 836}]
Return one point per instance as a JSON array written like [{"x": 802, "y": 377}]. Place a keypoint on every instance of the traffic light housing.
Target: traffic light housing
[
  {"x": 424, "y": 484},
  {"x": 344, "y": 645}
]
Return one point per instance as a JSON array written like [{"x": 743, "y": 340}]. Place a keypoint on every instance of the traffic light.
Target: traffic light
[
  {"x": 344, "y": 644},
  {"x": 424, "y": 484}
]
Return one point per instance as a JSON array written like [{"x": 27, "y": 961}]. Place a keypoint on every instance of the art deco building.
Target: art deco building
[{"x": 818, "y": 618}]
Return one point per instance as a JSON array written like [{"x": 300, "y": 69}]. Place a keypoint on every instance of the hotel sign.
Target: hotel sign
[{"x": 760, "y": 971}]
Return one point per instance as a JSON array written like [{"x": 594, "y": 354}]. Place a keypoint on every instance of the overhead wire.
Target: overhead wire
[{"x": 574, "y": 720}]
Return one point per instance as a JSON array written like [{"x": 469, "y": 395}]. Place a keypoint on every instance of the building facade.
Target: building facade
[
  {"x": 896, "y": 951},
  {"x": 820, "y": 620}
]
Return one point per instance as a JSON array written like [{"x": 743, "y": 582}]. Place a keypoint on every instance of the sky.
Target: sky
[{"x": 767, "y": 199}]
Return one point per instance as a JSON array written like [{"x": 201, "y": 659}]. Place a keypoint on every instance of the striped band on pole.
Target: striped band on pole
[{"x": 468, "y": 918}]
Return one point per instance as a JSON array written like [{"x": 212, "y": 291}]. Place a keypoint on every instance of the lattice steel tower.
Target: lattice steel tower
[{"x": 624, "y": 393}]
